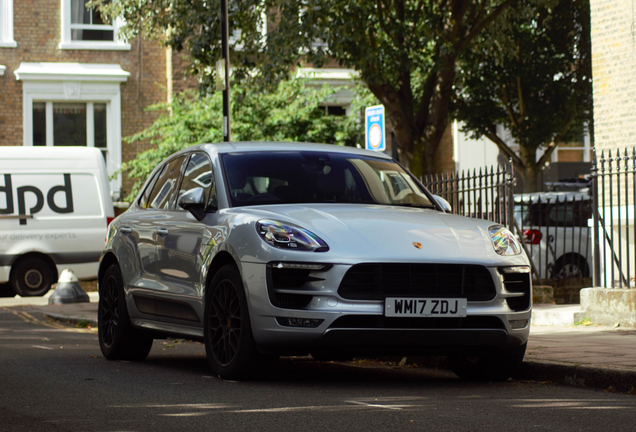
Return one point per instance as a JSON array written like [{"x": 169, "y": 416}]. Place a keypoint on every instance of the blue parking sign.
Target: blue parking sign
[{"x": 375, "y": 139}]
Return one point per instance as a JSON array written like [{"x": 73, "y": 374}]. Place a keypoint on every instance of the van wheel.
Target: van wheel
[
  {"x": 118, "y": 340},
  {"x": 31, "y": 277}
]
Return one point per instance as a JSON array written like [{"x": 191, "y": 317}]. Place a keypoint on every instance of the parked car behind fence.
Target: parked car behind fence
[{"x": 556, "y": 232}]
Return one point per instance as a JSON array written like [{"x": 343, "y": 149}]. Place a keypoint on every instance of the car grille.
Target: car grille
[{"x": 378, "y": 281}]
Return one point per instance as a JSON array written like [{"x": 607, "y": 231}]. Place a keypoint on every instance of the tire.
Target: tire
[
  {"x": 570, "y": 266},
  {"x": 118, "y": 340},
  {"x": 498, "y": 367},
  {"x": 229, "y": 342},
  {"x": 31, "y": 277}
]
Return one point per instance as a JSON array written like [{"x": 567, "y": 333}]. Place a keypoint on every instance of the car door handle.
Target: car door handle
[
  {"x": 126, "y": 230},
  {"x": 162, "y": 232}
]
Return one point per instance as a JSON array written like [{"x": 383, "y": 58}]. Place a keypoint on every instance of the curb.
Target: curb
[
  {"x": 608, "y": 379},
  {"x": 74, "y": 319}
]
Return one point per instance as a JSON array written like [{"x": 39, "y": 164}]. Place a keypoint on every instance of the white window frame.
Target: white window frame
[
  {"x": 89, "y": 83},
  {"x": 6, "y": 24},
  {"x": 68, "y": 43},
  {"x": 337, "y": 77},
  {"x": 586, "y": 148}
]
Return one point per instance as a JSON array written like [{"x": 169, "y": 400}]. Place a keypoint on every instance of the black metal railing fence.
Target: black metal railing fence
[
  {"x": 481, "y": 194},
  {"x": 572, "y": 246},
  {"x": 614, "y": 194}
]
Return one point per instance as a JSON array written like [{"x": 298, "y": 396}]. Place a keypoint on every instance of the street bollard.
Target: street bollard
[{"x": 68, "y": 290}]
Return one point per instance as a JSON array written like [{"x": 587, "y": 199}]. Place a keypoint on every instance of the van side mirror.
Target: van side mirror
[
  {"x": 445, "y": 205},
  {"x": 194, "y": 202}
]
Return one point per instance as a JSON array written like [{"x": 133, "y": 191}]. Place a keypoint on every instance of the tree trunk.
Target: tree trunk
[{"x": 532, "y": 170}]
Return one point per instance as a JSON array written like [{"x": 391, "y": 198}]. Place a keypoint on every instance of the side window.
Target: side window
[
  {"x": 144, "y": 199},
  {"x": 198, "y": 173},
  {"x": 164, "y": 192}
]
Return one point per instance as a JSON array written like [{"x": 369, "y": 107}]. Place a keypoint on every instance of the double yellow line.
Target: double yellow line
[{"x": 27, "y": 317}]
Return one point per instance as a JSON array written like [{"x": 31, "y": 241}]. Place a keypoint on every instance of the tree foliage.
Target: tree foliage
[
  {"x": 531, "y": 72},
  {"x": 292, "y": 111},
  {"x": 404, "y": 50}
]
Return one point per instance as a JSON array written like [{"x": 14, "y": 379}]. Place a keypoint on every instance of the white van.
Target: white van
[{"x": 55, "y": 207}]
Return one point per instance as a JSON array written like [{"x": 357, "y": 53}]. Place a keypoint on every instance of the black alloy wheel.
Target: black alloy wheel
[
  {"x": 118, "y": 340},
  {"x": 225, "y": 322},
  {"x": 229, "y": 343}
]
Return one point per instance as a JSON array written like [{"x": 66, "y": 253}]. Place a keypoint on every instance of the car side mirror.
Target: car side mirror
[
  {"x": 194, "y": 202},
  {"x": 445, "y": 205}
]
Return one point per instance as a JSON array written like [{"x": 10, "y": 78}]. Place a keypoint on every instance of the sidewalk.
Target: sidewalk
[{"x": 579, "y": 355}]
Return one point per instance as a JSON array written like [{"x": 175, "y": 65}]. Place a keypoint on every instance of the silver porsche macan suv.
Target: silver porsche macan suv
[{"x": 263, "y": 250}]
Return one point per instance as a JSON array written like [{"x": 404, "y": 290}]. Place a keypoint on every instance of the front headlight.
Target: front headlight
[
  {"x": 287, "y": 236},
  {"x": 504, "y": 241}
]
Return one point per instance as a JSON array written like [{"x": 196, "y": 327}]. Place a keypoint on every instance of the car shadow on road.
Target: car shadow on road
[{"x": 189, "y": 358}]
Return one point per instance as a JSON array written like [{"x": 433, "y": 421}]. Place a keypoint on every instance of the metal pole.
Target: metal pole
[
  {"x": 225, "y": 52},
  {"x": 510, "y": 184},
  {"x": 596, "y": 274}
]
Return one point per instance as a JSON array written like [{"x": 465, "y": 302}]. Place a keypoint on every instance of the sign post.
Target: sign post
[{"x": 374, "y": 130}]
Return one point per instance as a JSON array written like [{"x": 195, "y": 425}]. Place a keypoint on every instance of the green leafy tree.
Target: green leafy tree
[
  {"x": 292, "y": 111},
  {"x": 404, "y": 50},
  {"x": 531, "y": 73}
]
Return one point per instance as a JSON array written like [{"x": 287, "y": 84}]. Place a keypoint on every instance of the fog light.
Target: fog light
[
  {"x": 299, "y": 322},
  {"x": 515, "y": 269},
  {"x": 518, "y": 324}
]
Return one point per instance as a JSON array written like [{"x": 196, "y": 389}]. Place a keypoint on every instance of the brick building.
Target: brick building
[
  {"x": 613, "y": 24},
  {"x": 614, "y": 72},
  {"x": 65, "y": 79}
]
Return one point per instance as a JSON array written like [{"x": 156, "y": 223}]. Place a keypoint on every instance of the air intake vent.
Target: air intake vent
[
  {"x": 287, "y": 286},
  {"x": 518, "y": 283},
  {"x": 378, "y": 281}
]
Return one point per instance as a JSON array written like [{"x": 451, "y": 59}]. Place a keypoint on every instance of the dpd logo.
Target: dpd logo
[{"x": 22, "y": 192}]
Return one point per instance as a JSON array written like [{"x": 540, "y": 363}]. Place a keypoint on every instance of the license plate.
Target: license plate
[{"x": 428, "y": 307}]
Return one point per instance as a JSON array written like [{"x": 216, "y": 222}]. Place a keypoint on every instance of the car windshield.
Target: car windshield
[{"x": 292, "y": 177}]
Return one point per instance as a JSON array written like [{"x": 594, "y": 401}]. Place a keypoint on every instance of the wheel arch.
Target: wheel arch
[
  {"x": 106, "y": 261},
  {"x": 221, "y": 259}
]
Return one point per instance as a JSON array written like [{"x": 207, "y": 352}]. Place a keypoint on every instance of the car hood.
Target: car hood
[{"x": 388, "y": 233}]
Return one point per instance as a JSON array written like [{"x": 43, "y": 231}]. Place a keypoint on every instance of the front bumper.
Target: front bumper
[{"x": 327, "y": 321}]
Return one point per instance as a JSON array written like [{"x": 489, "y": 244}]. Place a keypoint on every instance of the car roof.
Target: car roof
[{"x": 259, "y": 146}]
